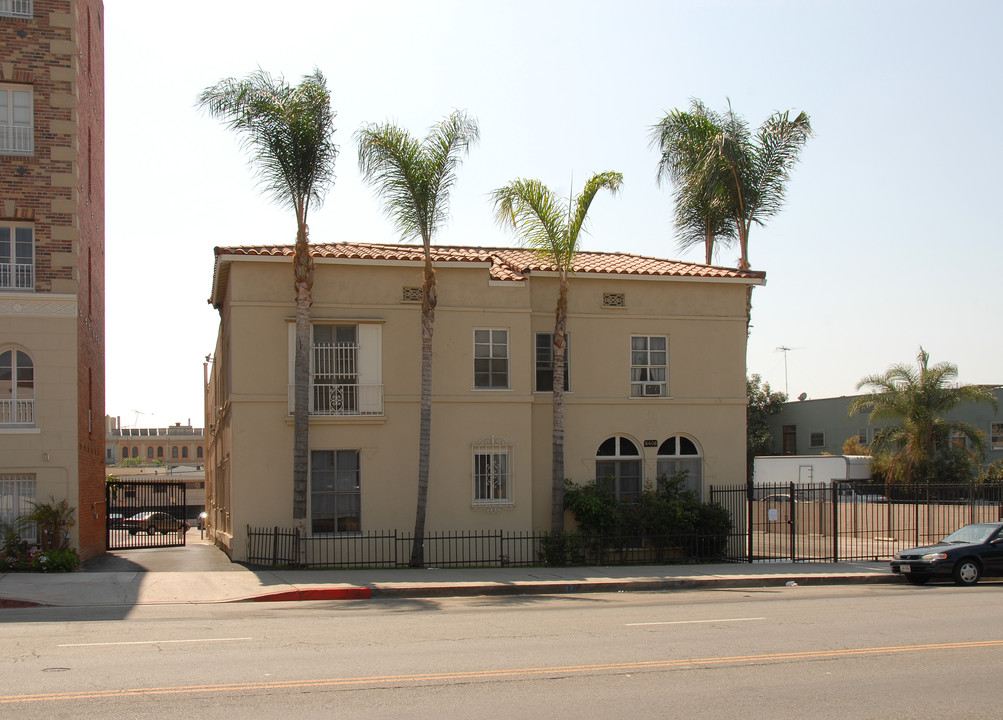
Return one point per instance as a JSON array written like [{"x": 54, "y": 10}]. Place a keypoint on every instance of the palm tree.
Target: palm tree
[
  {"x": 553, "y": 228},
  {"x": 702, "y": 214},
  {"x": 414, "y": 179},
  {"x": 725, "y": 178},
  {"x": 288, "y": 133},
  {"x": 917, "y": 398}
]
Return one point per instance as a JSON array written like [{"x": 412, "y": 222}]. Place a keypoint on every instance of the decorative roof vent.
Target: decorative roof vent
[
  {"x": 411, "y": 295},
  {"x": 613, "y": 300}
]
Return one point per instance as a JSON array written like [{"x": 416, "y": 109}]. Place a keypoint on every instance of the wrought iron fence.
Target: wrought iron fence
[
  {"x": 841, "y": 521},
  {"x": 850, "y": 520},
  {"x": 286, "y": 547}
]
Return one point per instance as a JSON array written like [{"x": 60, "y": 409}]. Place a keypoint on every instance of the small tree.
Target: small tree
[
  {"x": 922, "y": 445},
  {"x": 763, "y": 404},
  {"x": 53, "y": 520}
]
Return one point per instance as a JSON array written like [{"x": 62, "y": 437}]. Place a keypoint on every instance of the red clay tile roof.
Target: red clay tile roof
[{"x": 506, "y": 264}]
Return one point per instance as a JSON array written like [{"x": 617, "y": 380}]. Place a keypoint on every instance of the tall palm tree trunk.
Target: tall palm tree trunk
[
  {"x": 428, "y": 303},
  {"x": 303, "y": 271},
  {"x": 560, "y": 368}
]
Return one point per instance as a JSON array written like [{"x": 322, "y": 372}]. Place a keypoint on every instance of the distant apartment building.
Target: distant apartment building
[
  {"x": 52, "y": 261},
  {"x": 171, "y": 446}
]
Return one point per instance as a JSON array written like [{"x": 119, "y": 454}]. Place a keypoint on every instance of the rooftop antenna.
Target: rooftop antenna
[{"x": 784, "y": 349}]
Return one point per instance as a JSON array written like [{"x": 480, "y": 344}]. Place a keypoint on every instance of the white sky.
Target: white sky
[{"x": 889, "y": 239}]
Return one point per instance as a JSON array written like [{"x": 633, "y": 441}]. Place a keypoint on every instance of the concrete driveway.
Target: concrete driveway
[{"x": 198, "y": 555}]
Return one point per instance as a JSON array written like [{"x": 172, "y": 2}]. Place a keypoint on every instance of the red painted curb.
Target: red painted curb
[
  {"x": 4, "y": 603},
  {"x": 354, "y": 593}
]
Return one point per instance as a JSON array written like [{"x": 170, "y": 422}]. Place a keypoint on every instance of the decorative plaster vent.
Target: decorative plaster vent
[
  {"x": 411, "y": 295},
  {"x": 613, "y": 300}
]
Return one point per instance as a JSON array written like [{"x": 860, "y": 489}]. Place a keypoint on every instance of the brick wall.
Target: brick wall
[{"x": 90, "y": 273}]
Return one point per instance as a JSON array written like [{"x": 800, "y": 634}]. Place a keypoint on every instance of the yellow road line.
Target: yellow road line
[{"x": 501, "y": 673}]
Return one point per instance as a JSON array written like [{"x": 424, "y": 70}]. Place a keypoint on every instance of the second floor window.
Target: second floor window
[
  {"x": 491, "y": 359},
  {"x": 345, "y": 369},
  {"x": 17, "y": 257},
  {"x": 335, "y": 370},
  {"x": 545, "y": 362},
  {"x": 17, "y": 388},
  {"x": 649, "y": 366},
  {"x": 16, "y": 125}
]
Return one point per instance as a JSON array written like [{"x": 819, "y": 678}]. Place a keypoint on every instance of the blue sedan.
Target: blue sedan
[{"x": 965, "y": 556}]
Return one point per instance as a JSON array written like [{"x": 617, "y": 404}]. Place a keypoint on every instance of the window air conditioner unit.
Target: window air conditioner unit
[{"x": 652, "y": 390}]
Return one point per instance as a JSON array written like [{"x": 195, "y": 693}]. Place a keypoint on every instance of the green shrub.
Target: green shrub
[
  {"x": 16, "y": 555},
  {"x": 667, "y": 518}
]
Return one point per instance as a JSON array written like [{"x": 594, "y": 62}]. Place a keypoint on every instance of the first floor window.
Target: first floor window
[
  {"x": 491, "y": 359},
  {"x": 649, "y": 366},
  {"x": 545, "y": 362},
  {"x": 679, "y": 458},
  {"x": 335, "y": 491},
  {"x": 16, "y": 123},
  {"x": 17, "y": 388},
  {"x": 618, "y": 468},
  {"x": 996, "y": 436},
  {"x": 492, "y": 471},
  {"x": 816, "y": 439},
  {"x": 17, "y": 493}
]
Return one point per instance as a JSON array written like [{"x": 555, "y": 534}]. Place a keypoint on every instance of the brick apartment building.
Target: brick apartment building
[{"x": 52, "y": 261}]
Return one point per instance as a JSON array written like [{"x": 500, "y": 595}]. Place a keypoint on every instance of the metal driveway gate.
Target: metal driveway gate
[
  {"x": 849, "y": 520},
  {"x": 145, "y": 514}
]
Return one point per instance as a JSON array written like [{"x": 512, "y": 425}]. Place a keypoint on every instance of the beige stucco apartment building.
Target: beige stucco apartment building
[{"x": 656, "y": 383}]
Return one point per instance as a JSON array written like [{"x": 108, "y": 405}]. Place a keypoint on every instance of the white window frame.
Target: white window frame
[
  {"x": 681, "y": 452},
  {"x": 546, "y": 364},
  {"x": 361, "y": 397},
  {"x": 996, "y": 436},
  {"x": 497, "y": 352},
  {"x": 17, "y": 134},
  {"x": 17, "y": 257},
  {"x": 17, "y": 8},
  {"x": 17, "y": 393},
  {"x": 17, "y": 493},
  {"x": 618, "y": 460},
  {"x": 649, "y": 378},
  {"x": 336, "y": 491},
  {"x": 492, "y": 471}
]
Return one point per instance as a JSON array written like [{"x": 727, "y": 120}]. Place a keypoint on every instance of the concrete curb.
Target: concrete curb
[{"x": 561, "y": 588}]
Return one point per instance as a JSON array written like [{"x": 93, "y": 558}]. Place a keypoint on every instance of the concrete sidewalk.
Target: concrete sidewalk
[{"x": 200, "y": 573}]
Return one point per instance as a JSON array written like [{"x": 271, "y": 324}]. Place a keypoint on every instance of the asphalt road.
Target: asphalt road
[{"x": 840, "y": 652}]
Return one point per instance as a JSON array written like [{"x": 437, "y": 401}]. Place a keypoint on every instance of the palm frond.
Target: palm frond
[
  {"x": 288, "y": 132},
  {"x": 414, "y": 178}
]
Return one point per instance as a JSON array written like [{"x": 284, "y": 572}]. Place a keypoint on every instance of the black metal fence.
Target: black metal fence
[
  {"x": 286, "y": 547},
  {"x": 841, "y": 521},
  {"x": 849, "y": 520}
]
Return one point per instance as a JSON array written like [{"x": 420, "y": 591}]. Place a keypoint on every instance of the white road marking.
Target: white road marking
[
  {"x": 695, "y": 622},
  {"x": 155, "y": 642}
]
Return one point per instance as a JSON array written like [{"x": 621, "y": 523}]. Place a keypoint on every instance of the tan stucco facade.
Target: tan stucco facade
[{"x": 249, "y": 428}]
